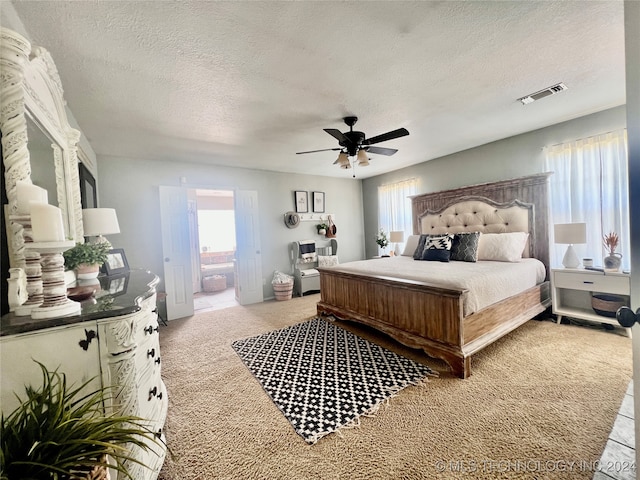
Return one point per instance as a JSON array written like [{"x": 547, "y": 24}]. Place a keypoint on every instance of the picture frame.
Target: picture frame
[
  {"x": 116, "y": 262},
  {"x": 302, "y": 201},
  {"x": 318, "y": 202}
]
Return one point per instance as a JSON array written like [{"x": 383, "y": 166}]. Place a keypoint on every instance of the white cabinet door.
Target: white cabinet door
[{"x": 72, "y": 349}]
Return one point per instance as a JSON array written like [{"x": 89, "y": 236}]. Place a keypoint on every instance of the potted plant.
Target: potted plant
[
  {"x": 86, "y": 258},
  {"x": 322, "y": 228},
  {"x": 60, "y": 432},
  {"x": 613, "y": 260},
  {"x": 382, "y": 240}
]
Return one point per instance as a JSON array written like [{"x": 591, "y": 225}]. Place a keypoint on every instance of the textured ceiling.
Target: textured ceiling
[{"x": 248, "y": 84}]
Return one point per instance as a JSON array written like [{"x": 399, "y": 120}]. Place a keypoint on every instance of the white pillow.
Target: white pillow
[
  {"x": 502, "y": 247},
  {"x": 411, "y": 245},
  {"x": 327, "y": 260}
]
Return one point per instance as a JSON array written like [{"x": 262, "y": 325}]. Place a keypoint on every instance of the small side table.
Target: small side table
[{"x": 571, "y": 292}]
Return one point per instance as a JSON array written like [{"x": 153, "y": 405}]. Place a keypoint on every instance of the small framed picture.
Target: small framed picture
[
  {"x": 318, "y": 202},
  {"x": 116, "y": 262},
  {"x": 302, "y": 201}
]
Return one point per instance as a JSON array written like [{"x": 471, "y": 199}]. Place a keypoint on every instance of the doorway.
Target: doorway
[{"x": 212, "y": 214}]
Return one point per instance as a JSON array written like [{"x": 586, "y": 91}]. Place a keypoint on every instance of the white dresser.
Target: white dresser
[
  {"x": 572, "y": 288},
  {"x": 115, "y": 341}
]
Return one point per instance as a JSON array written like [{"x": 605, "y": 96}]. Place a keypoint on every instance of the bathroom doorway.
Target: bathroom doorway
[{"x": 214, "y": 249}]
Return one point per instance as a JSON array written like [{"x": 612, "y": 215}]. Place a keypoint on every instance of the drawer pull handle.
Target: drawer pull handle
[
  {"x": 150, "y": 329},
  {"x": 590, "y": 283},
  {"x": 160, "y": 396},
  {"x": 151, "y": 353},
  {"x": 152, "y": 392},
  {"x": 157, "y": 360},
  {"x": 158, "y": 434}
]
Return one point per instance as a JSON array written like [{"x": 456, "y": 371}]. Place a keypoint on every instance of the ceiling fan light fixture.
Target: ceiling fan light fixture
[
  {"x": 345, "y": 165},
  {"x": 343, "y": 159},
  {"x": 363, "y": 160}
]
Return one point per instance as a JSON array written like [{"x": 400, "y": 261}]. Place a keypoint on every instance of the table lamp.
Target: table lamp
[
  {"x": 98, "y": 222},
  {"x": 570, "y": 234},
  {"x": 396, "y": 237}
]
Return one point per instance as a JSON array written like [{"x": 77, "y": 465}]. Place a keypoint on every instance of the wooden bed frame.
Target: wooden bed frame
[{"x": 429, "y": 317}]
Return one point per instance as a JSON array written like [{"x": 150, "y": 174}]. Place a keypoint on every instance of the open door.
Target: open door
[
  {"x": 248, "y": 255},
  {"x": 176, "y": 249}
]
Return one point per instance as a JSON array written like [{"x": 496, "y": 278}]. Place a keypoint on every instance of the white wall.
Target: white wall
[
  {"x": 501, "y": 160},
  {"x": 131, "y": 187}
]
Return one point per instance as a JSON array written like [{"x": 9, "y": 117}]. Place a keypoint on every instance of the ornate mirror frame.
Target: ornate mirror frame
[{"x": 30, "y": 87}]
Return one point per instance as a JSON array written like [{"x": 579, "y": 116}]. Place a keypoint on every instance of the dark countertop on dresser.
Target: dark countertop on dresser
[{"x": 117, "y": 295}]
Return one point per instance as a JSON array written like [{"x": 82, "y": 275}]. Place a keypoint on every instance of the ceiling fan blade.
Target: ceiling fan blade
[
  {"x": 380, "y": 150},
  {"x": 337, "y": 134},
  {"x": 323, "y": 150},
  {"x": 401, "y": 132}
]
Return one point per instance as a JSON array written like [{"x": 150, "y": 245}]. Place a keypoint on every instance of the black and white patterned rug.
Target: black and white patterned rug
[{"x": 323, "y": 377}]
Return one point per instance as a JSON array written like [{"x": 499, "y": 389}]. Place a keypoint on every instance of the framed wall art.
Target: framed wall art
[
  {"x": 318, "y": 202},
  {"x": 302, "y": 201}
]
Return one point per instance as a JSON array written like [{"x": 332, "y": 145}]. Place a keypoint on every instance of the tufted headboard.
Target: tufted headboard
[
  {"x": 480, "y": 214},
  {"x": 529, "y": 190}
]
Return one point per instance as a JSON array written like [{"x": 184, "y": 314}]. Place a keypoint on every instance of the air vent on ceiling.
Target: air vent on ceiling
[{"x": 543, "y": 93}]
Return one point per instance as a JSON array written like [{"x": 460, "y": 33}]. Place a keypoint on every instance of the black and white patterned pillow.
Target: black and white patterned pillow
[
  {"x": 465, "y": 247},
  {"x": 438, "y": 247}
]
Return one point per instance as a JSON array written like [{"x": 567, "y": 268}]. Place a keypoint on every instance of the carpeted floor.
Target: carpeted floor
[{"x": 540, "y": 398}]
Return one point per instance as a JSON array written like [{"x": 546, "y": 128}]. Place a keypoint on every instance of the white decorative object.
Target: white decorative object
[
  {"x": 98, "y": 222},
  {"x": 570, "y": 233},
  {"x": 29, "y": 260},
  {"x": 17, "y": 292},
  {"x": 55, "y": 302},
  {"x": 46, "y": 222},
  {"x": 26, "y": 193}
]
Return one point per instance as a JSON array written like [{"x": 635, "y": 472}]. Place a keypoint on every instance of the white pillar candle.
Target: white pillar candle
[
  {"x": 46, "y": 223},
  {"x": 26, "y": 193}
]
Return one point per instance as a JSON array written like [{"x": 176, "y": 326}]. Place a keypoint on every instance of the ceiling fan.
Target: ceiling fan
[{"x": 355, "y": 144}]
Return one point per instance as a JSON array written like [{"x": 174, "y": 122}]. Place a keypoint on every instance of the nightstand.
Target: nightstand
[{"x": 571, "y": 292}]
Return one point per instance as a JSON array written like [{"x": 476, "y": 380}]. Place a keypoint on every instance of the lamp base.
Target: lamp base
[{"x": 570, "y": 259}]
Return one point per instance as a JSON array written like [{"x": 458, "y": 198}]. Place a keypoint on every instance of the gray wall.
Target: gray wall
[
  {"x": 131, "y": 187},
  {"x": 501, "y": 160}
]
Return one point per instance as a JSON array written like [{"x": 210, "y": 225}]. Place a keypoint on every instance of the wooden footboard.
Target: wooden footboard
[{"x": 426, "y": 316}]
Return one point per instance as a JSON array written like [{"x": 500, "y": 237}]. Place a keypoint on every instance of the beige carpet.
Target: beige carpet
[{"x": 545, "y": 393}]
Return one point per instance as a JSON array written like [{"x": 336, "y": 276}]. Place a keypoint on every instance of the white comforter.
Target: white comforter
[{"x": 486, "y": 282}]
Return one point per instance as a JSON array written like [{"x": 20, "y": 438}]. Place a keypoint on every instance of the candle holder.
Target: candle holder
[
  {"x": 29, "y": 261},
  {"x": 55, "y": 302}
]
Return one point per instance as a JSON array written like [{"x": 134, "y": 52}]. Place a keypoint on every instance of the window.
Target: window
[
  {"x": 394, "y": 206},
  {"x": 590, "y": 185}
]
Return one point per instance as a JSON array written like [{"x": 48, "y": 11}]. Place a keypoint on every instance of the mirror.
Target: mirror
[{"x": 38, "y": 142}]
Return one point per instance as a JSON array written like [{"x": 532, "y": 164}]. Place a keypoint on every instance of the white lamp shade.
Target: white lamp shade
[
  {"x": 570, "y": 233},
  {"x": 396, "y": 237},
  {"x": 100, "y": 221},
  {"x": 342, "y": 160}
]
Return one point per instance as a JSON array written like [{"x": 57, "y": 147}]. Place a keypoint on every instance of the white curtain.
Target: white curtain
[
  {"x": 589, "y": 184},
  {"x": 394, "y": 207}
]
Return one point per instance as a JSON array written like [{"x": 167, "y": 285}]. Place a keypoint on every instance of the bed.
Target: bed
[{"x": 434, "y": 315}]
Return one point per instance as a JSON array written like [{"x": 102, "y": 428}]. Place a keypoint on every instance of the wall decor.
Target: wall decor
[
  {"x": 116, "y": 262},
  {"x": 318, "y": 202},
  {"x": 302, "y": 201}
]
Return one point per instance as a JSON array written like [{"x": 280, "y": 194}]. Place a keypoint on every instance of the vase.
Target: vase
[
  {"x": 322, "y": 231},
  {"x": 85, "y": 271},
  {"x": 612, "y": 262}
]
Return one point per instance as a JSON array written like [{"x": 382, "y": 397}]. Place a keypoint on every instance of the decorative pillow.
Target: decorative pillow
[
  {"x": 417, "y": 254},
  {"x": 327, "y": 260},
  {"x": 465, "y": 247},
  {"x": 438, "y": 247},
  {"x": 411, "y": 245},
  {"x": 502, "y": 247}
]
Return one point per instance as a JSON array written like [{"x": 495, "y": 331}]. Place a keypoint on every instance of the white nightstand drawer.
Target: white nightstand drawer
[{"x": 592, "y": 282}]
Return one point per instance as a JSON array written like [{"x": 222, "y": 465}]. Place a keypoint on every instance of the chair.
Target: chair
[{"x": 304, "y": 262}]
